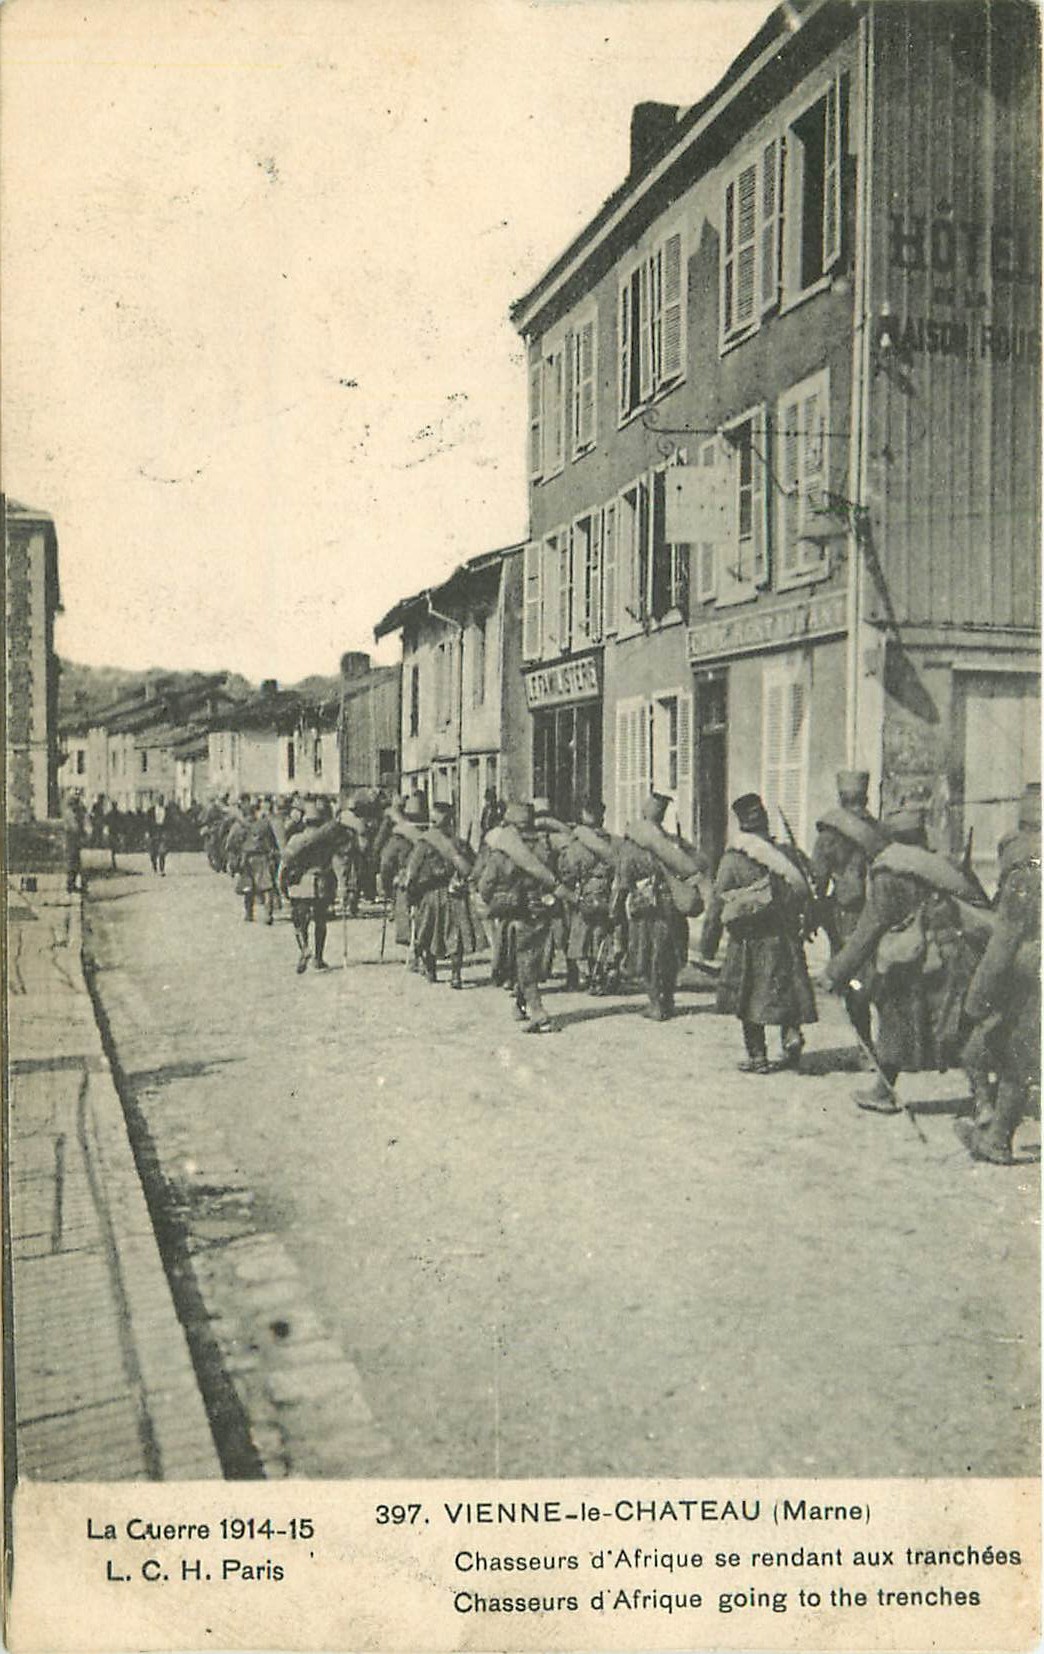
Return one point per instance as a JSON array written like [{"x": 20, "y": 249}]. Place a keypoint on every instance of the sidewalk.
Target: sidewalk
[{"x": 104, "y": 1386}]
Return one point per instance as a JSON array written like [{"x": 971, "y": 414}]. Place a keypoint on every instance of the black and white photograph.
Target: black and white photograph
[{"x": 522, "y": 706}]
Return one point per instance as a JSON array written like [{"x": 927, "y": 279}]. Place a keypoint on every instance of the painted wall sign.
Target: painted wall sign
[
  {"x": 749, "y": 633},
  {"x": 569, "y": 680}
]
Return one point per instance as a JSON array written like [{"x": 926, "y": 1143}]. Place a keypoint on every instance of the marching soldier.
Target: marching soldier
[
  {"x": 912, "y": 943},
  {"x": 407, "y": 824},
  {"x": 519, "y": 887},
  {"x": 848, "y": 838},
  {"x": 657, "y": 888},
  {"x": 437, "y": 889},
  {"x": 587, "y": 866},
  {"x": 762, "y": 899},
  {"x": 157, "y": 835},
  {"x": 1004, "y": 997},
  {"x": 258, "y": 859},
  {"x": 307, "y": 878}
]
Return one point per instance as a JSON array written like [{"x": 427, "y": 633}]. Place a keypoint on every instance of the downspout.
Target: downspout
[
  {"x": 859, "y": 417},
  {"x": 451, "y": 620}
]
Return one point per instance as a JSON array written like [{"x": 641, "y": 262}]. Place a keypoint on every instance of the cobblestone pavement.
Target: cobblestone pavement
[
  {"x": 422, "y": 1243},
  {"x": 103, "y": 1386}
]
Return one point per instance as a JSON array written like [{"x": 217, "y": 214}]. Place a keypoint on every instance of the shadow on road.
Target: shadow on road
[
  {"x": 152, "y": 1077},
  {"x": 836, "y": 1059},
  {"x": 568, "y": 1019}
]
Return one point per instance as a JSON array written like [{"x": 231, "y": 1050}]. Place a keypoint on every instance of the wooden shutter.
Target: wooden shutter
[
  {"x": 728, "y": 260},
  {"x": 785, "y": 744},
  {"x": 643, "y": 767},
  {"x": 832, "y": 172},
  {"x": 584, "y": 387},
  {"x": 746, "y": 246},
  {"x": 683, "y": 802},
  {"x": 594, "y": 579},
  {"x": 771, "y": 221},
  {"x": 672, "y": 325},
  {"x": 644, "y": 326},
  {"x": 609, "y": 568},
  {"x": 789, "y": 475},
  {"x": 554, "y": 410},
  {"x": 659, "y": 549},
  {"x": 531, "y": 591},
  {"x": 565, "y": 589},
  {"x": 707, "y": 550},
  {"x": 760, "y": 480},
  {"x": 535, "y": 404},
  {"x": 624, "y": 762},
  {"x": 551, "y": 642},
  {"x": 626, "y": 320}
]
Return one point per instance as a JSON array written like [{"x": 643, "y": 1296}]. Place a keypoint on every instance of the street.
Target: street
[{"x": 602, "y": 1252}]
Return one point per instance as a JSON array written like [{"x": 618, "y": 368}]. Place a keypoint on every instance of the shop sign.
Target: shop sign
[
  {"x": 569, "y": 680},
  {"x": 758, "y": 629}
]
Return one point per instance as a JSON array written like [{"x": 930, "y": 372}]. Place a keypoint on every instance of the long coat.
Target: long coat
[
  {"x": 591, "y": 878},
  {"x": 1006, "y": 983},
  {"x": 657, "y": 940},
  {"x": 446, "y": 926},
  {"x": 520, "y": 904},
  {"x": 919, "y": 1005},
  {"x": 839, "y": 868},
  {"x": 394, "y": 857},
  {"x": 764, "y": 977}
]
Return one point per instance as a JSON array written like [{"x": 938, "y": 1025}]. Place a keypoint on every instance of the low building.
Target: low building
[
  {"x": 133, "y": 744},
  {"x": 369, "y": 717},
  {"x": 459, "y": 705},
  {"x": 31, "y": 600}
]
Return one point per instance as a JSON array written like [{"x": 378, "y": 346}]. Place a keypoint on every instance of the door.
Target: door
[{"x": 711, "y": 692}]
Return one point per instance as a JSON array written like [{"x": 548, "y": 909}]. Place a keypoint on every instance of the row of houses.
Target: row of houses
[
  {"x": 189, "y": 741},
  {"x": 783, "y": 451}
]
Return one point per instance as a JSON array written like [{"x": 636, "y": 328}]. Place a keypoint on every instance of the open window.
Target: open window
[
  {"x": 813, "y": 194},
  {"x": 805, "y": 524},
  {"x": 742, "y": 561},
  {"x": 651, "y": 324}
]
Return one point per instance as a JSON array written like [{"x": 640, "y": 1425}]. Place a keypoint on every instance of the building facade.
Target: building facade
[
  {"x": 31, "y": 601},
  {"x": 784, "y": 403},
  {"x": 459, "y": 704},
  {"x": 369, "y": 719}
]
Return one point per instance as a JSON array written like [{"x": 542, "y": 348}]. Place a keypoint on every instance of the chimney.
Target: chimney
[
  {"x": 650, "y": 125},
  {"x": 354, "y": 664},
  {"x": 269, "y": 687}
]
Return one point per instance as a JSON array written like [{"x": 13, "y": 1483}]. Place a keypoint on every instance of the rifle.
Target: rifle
[
  {"x": 811, "y": 921},
  {"x": 871, "y": 1056}
]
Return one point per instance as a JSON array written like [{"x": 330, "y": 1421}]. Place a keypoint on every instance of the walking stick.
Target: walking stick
[
  {"x": 871, "y": 1056},
  {"x": 384, "y": 926}
]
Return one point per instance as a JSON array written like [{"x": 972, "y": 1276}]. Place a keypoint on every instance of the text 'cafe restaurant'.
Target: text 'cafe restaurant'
[{"x": 565, "y": 704}]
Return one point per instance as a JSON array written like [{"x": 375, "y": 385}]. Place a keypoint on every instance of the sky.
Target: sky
[{"x": 258, "y": 257}]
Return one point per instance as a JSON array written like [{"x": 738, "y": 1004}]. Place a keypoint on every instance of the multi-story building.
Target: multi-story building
[
  {"x": 461, "y": 713},
  {"x": 31, "y": 601},
  {"x": 368, "y": 723},
  {"x": 784, "y": 433}
]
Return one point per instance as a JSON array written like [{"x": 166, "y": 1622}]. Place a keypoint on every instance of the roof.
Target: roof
[
  {"x": 447, "y": 592},
  {"x": 15, "y": 508},
  {"x": 767, "y": 47},
  {"x": 377, "y": 675}
]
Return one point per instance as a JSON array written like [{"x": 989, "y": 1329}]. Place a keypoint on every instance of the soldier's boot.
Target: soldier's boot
[
  {"x": 320, "y": 945},
  {"x": 304, "y": 953},
  {"x": 880, "y": 1099},
  {"x": 430, "y": 970},
  {"x": 248, "y": 909},
  {"x": 793, "y": 1045},
  {"x": 756, "y": 1060},
  {"x": 519, "y": 1010},
  {"x": 456, "y": 980},
  {"x": 270, "y": 908},
  {"x": 984, "y": 1097},
  {"x": 572, "y": 977}
]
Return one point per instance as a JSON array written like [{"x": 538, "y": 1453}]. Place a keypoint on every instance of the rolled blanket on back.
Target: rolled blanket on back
[
  {"x": 932, "y": 867},
  {"x": 606, "y": 849},
  {"x": 867, "y": 834},
  {"x": 447, "y": 850},
  {"x": 509, "y": 841},
  {"x": 678, "y": 858},
  {"x": 773, "y": 860}
]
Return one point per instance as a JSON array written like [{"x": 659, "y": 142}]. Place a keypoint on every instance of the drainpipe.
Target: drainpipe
[
  {"x": 859, "y": 420},
  {"x": 451, "y": 620}
]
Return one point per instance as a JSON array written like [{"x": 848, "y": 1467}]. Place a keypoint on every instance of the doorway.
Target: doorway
[{"x": 712, "y": 729}]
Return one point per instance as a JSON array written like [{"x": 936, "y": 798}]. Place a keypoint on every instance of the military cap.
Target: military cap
[
  {"x": 749, "y": 810},
  {"x": 654, "y": 807},
  {"x": 519, "y": 815},
  {"x": 415, "y": 808},
  {"x": 907, "y": 821},
  {"x": 853, "y": 784}
]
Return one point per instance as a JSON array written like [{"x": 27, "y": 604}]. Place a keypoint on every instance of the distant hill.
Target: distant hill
[{"x": 85, "y": 690}]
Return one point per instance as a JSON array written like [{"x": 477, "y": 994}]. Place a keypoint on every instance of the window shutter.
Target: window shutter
[
  {"x": 672, "y": 323},
  {"x": 707, "y": 550},
  {"x": 642, "y": 773},
  {"x": 771, "y": 221},
  {"x": 759, "y": 475},
  {"x": 609, "y": 566},
  {"x": 551, "y": 641},
  {"x": 746, "y": 246},
  {"x": 645, "y": 385},
  {"x": 684, "y": 795},
  {"x": 624, "y": 763},
  {"x": 792, "y": 778},
  {"x": 583, "y": 386},
  {"x": 728, "y": 259},
  {"x": 565, "y": 589},
  {"x": 535, "y": 400},
  {"x": 556, "y": 372},
  {"x": 660, "y": 551},
  {"x": 772, "y": 721},
  {"x": 594, "y": 580},
  {"x": 531, "y": 589},
  {"x": 789, "y": 479},
  {"x": 625, "y": 347},
  {"x": 832, "y": 171}
]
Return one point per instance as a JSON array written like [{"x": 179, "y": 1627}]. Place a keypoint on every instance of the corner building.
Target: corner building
[{"x": 784, "y": 413}]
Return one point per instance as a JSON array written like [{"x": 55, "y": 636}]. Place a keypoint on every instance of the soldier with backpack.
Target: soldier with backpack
[
  {"x": 847, "y": 839},
  {"x": 657, "y": 889}
]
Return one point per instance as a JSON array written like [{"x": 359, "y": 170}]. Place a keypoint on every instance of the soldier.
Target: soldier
[
  {"x": 912, "y": 944},
  {"x": 1003, "y": 999},
  {"x": 72, "y": 843},
  {"x": 407, "y": 824},
  {"x": 306, "y": 876},
  {"x": 848, "y": 838},
  {"x": 520, "y": 888},
  {"x": 559, "y": 835},
  {"x": 258, "y": 861},
  {"x": 492, "y": 812},
  {"x": 763, "y": 900},
  {"x": 437, "y": 889},
  {"x": 653, "y": 872},
  {"x": 157, "y": 835},
  {"x": 587, "y": 866}
]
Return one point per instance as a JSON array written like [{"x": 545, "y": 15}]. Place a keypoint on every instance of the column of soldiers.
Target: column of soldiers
[{"x": 932, "y": 975}]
